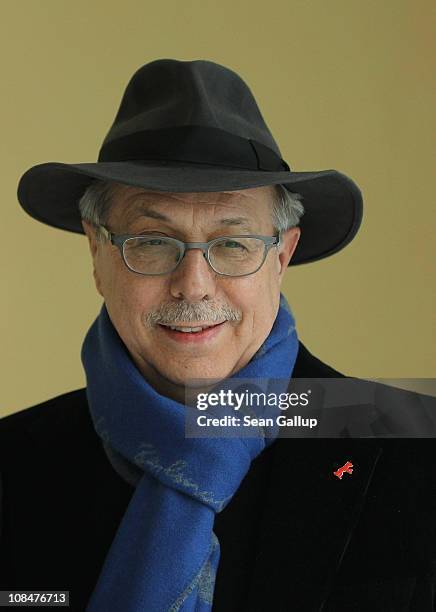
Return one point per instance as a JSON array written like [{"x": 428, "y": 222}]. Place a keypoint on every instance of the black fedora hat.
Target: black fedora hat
[{"x": 195, "y": 126}]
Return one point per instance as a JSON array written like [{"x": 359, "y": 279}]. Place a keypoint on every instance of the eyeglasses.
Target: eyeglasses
[{"x": 154, "y": 255}]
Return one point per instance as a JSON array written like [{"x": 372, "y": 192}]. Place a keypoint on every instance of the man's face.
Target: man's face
[{"x": 242, "y": 310}]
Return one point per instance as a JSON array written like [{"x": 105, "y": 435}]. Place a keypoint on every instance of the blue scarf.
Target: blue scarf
[{"x": 165, "y": 555}]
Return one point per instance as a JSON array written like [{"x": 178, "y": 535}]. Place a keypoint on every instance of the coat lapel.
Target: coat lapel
[
  {"x": 309, "y": 519},
  {"x": 285, "y": 533},
  {"x": 307, "y": 514}
]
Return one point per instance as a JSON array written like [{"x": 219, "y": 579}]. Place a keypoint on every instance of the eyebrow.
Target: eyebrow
[{"x": 227, "y": 221}]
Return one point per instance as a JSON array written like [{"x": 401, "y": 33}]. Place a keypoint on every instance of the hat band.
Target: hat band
[{"x": 195, "y": 144}]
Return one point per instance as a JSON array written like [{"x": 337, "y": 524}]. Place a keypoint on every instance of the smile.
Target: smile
[
  {"x": 192, "y": 333},
  {"x": 192, "y": 329}
]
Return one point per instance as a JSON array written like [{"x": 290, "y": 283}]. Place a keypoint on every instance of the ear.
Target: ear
[
  {"x": 89, "y": 230},
  {"x": 289, "y": 243}
]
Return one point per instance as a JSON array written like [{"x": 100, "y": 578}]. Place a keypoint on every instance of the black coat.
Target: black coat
[{"x": 293, "y": 538}]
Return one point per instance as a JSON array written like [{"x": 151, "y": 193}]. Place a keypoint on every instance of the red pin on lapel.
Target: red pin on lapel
[{"x": 346, "y": 468}]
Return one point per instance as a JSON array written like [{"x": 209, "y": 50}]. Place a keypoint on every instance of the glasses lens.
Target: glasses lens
[
  {"x": 151, "y": 255},
  {"x": 237, "y": 256}
]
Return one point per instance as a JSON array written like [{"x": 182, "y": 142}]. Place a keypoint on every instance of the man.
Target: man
[{"x": 103, "y": 494}]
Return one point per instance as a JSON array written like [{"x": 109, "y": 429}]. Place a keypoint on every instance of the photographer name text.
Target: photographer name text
[{"x": 247, "y": 421}]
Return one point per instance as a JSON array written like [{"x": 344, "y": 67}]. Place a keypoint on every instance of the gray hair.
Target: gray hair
[
  {"x": 287, "y": 209},
  {"x": 95, "y": 203}
]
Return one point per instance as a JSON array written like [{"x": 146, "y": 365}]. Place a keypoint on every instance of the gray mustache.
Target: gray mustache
[{"x": 183, "y": 312}]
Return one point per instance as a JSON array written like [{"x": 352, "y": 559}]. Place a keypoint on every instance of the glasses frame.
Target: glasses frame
[{"x": 119, "y": 240}]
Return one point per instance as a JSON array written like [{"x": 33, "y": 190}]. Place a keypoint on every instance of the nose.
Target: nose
[{"x": 193, "y": 279}]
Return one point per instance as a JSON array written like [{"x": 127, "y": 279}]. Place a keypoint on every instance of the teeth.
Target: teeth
[{"x": 189, "y": 329}]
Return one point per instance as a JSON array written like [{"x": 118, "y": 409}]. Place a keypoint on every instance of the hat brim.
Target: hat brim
[{"x": 50, "y": 192}]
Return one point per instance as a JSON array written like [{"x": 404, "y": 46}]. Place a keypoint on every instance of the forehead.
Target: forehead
[{"x": 130, "y": 202}]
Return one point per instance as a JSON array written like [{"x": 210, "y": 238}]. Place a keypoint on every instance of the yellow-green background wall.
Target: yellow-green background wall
[{"x": 342, "y": 84}]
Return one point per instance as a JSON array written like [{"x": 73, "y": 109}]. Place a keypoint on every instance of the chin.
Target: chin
[{"x": 198, "y": 371}]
